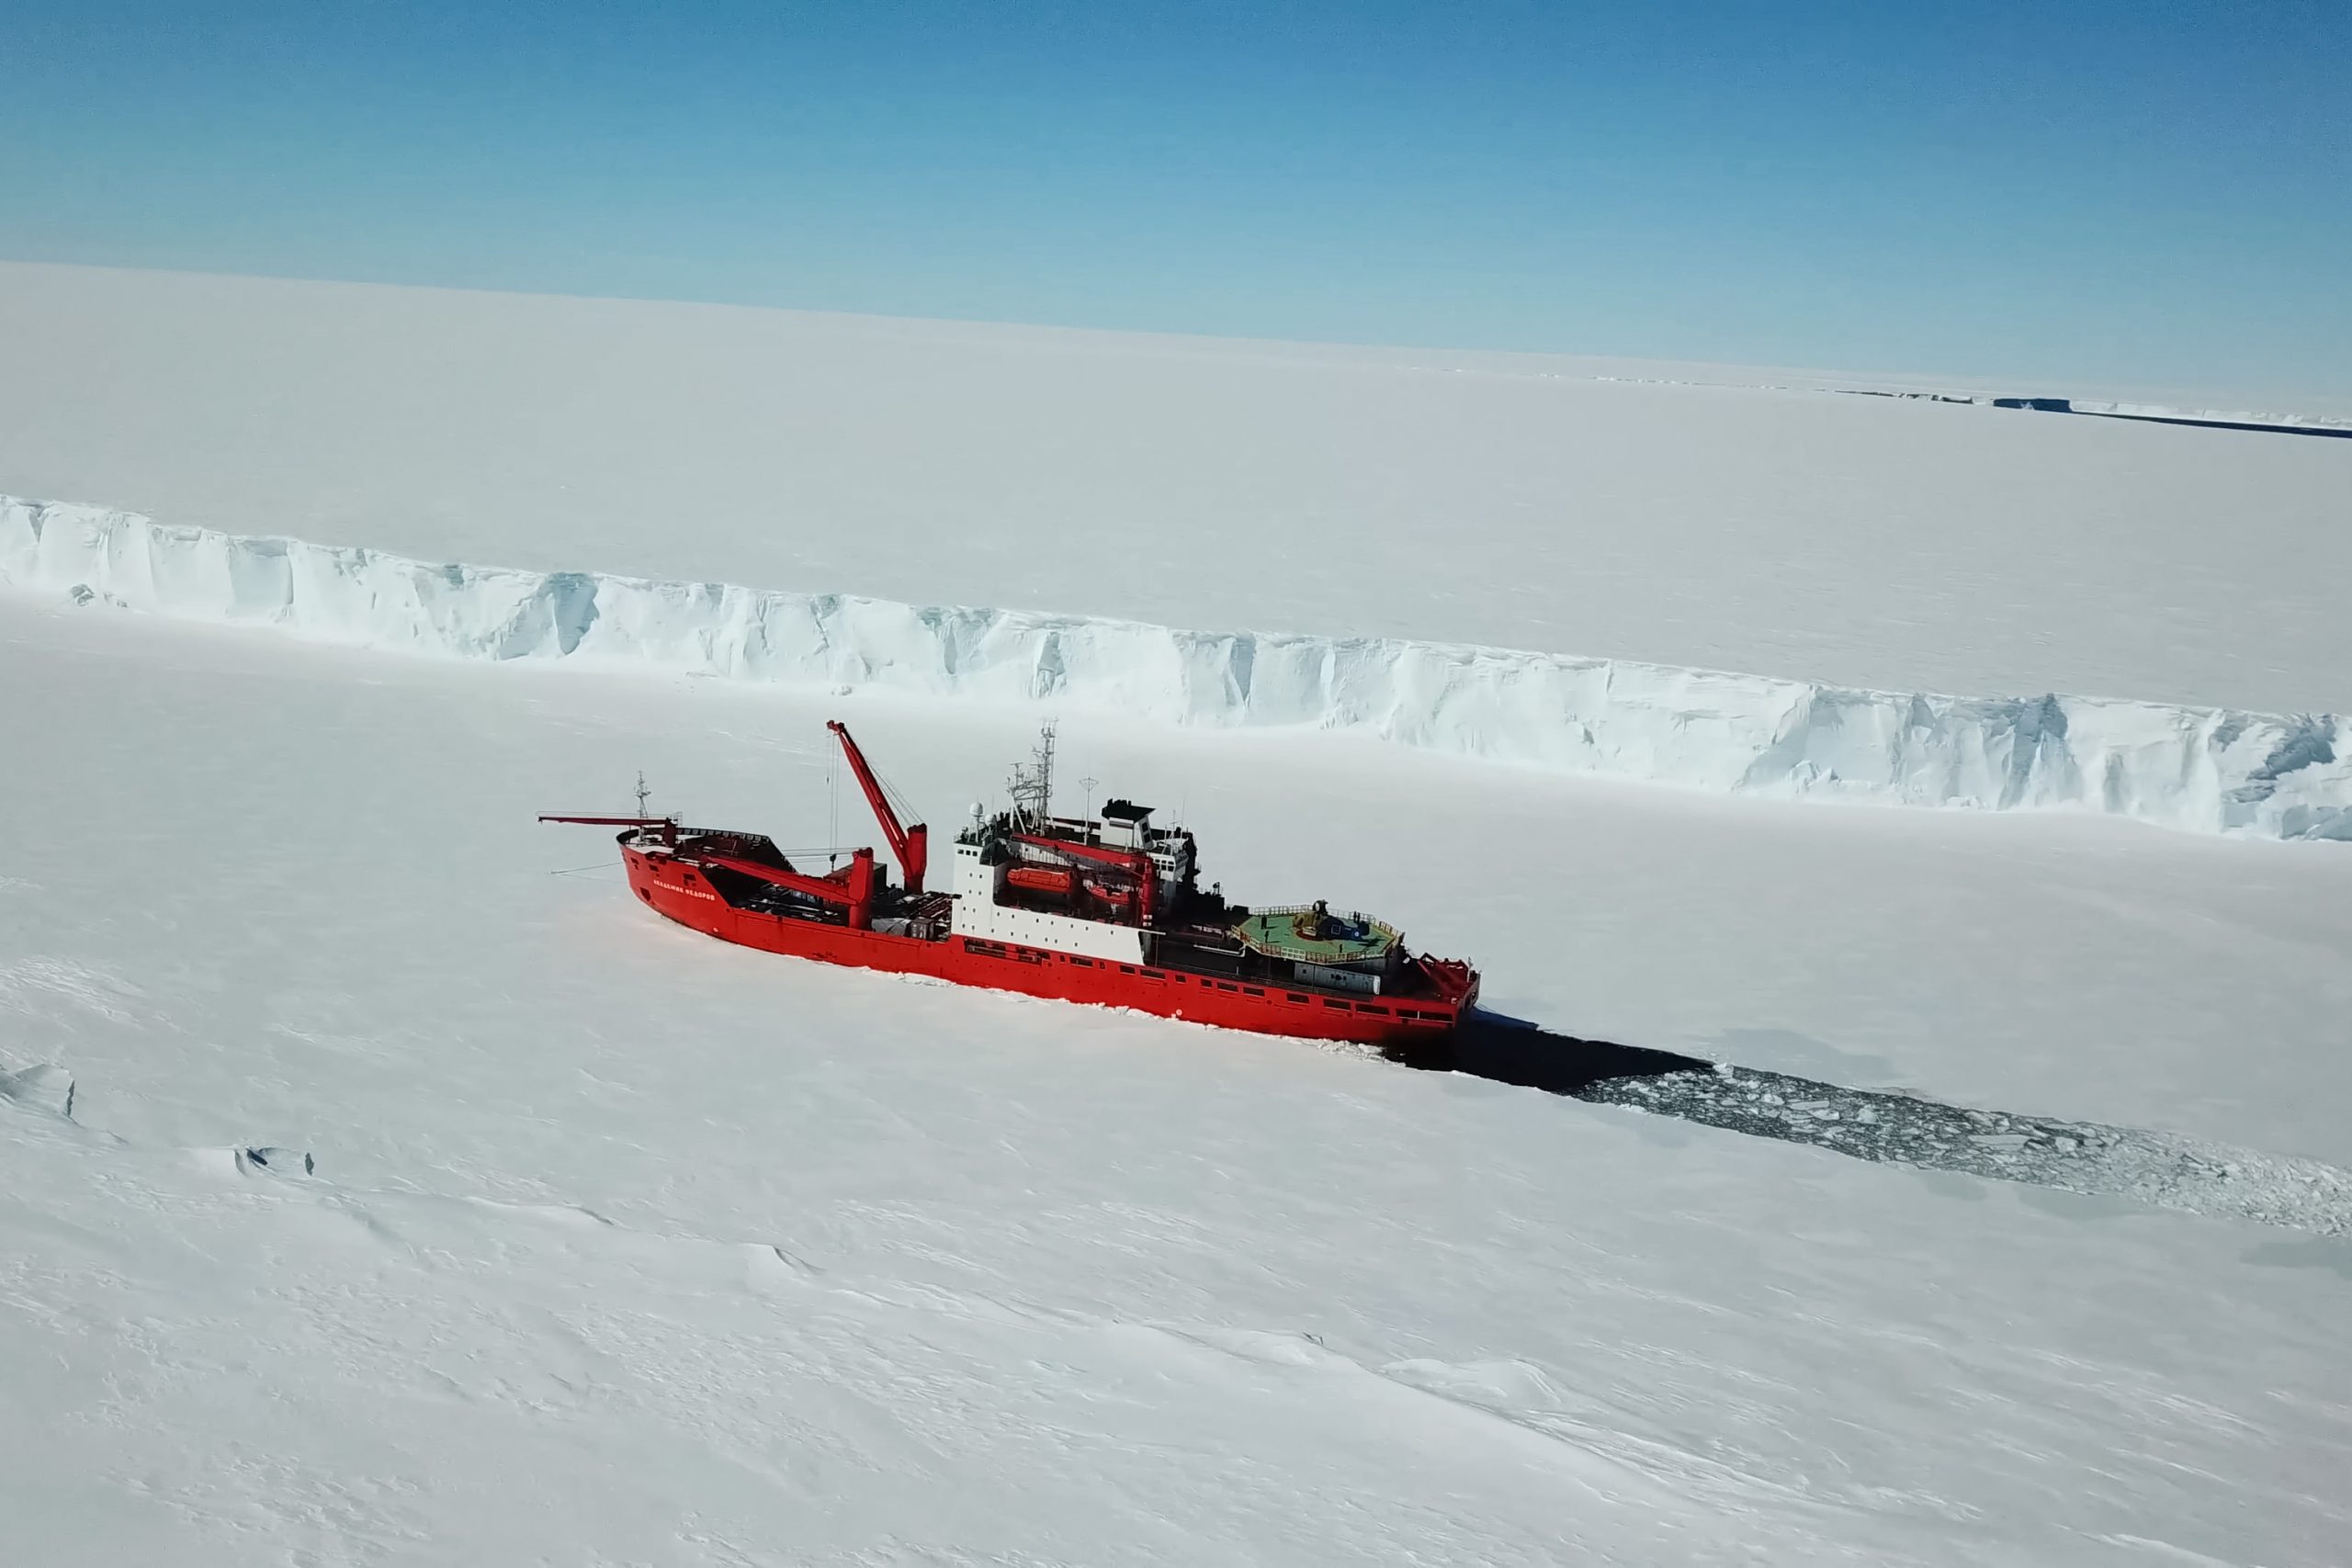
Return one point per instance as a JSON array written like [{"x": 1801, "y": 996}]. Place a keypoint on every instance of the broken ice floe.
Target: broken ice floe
[{"x": 2163, "y": 1170}]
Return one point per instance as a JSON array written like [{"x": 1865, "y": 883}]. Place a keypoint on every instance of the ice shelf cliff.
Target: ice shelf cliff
[{"x": 2196, "y": 769}]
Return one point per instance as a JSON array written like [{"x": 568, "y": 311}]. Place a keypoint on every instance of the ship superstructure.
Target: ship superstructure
[{"x": 1103, "y": 909}]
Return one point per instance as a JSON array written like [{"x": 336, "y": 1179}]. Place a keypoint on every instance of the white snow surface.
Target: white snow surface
[
  {"x": 1751, "y": 524},
  {"x": 2196, "y": 769},
  {"x": 380, "y": 1183},
  {"x": 618, "y": 1245}
]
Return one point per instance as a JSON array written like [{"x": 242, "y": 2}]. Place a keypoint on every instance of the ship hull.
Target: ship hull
[{"x": 675, "y": 891}]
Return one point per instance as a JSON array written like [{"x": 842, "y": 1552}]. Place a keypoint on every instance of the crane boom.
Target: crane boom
[
  {"x": 669, "y": 825},
  {"x": 910, "y": 846},
  {"x": 852, "y": 887}
]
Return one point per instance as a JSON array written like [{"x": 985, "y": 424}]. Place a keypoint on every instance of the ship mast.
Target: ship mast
[{"x": 1032, "y": 784}]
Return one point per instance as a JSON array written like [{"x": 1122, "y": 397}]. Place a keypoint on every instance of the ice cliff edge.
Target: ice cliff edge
[{"x": 2196, "y": 769}]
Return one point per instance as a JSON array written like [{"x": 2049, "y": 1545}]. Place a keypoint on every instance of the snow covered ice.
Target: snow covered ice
[
  {"x": 370, "y": 1195},
  {"x": 624, "y": 1242},
  {"x": 1488, "y": 499}
]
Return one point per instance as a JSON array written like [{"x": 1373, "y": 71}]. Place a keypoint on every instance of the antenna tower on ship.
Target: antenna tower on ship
[
  {"x": 1032, "y": 784},
  {"x": 642, "y": 794}
]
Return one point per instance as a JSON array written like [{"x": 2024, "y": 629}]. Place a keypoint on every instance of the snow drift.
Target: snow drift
[
  {"x": 46, "y": 1087},
  {"x": 2196, "y": 769}
]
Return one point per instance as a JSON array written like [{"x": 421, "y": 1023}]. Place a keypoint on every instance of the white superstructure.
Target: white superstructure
[{"x": 978, "y": 913}]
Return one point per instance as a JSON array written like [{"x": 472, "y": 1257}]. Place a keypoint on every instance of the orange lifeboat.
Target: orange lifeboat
[{"x": 1039, "y": 879}]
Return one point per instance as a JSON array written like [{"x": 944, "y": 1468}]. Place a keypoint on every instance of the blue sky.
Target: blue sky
[{"x": 2058, "y": 191}]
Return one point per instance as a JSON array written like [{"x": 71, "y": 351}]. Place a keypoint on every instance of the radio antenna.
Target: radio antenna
[{"x": 1032, "y": 785}]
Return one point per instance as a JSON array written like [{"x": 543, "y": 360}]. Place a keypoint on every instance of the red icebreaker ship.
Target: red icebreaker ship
[{"x": 1105, "y": 911}]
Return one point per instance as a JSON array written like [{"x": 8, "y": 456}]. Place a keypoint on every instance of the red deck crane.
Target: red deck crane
[{"x": 910, "y": 846}]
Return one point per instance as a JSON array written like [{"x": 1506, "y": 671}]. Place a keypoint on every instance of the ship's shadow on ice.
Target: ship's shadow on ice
[
  {"x": 2159, "y": 1168},
  {"x": 1508, "y": 1050}
]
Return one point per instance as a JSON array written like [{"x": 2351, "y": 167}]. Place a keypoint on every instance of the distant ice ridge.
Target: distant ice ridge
[
  {"x": 2196, "y": 769},
  {"x": 2158, "y": 413},
  {"x": 2214, "y": 417}
]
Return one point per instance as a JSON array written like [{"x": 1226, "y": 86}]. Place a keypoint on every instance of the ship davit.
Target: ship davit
[{"x": 1107, "y": 911}]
